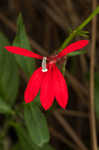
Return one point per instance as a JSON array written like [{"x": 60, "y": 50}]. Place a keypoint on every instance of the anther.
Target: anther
[{"x": 44, "y": 69}]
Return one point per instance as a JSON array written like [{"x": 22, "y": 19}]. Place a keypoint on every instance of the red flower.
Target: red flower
[{"x": 48, "y": 79}]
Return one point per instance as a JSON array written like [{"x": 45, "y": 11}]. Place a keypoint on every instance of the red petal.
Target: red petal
[
  {"x": 46, "y": 92},
  {"x": 33, "y": 85},
  {"x": 73, "y": 47},
  {"x": 22, "y": 51},
  {"x": 60, "y": 88}
]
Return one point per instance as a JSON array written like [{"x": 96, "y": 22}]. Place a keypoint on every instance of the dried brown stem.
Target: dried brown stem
[
  {"x": 56, "y": 18},
  {"x": 12, "y": 26},
  {"x": 83, "y": 64},
  {"x": 74, "y": 113},
  {"x": 79, "y": 88},
  {"x": 47, "y": 33},
  {"x": 57, "y": 9},
  {"x": 92, "y": 64},
  {"x": 59, "y": 136},
  {"x": 68, "y": 129}
]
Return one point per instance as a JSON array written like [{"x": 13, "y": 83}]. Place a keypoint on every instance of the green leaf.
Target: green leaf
[
  {"x": 77, "y": 53},
  {"x": 24, "y": 139},
  {"x": 26, "y": 142},
  {"x": 16, "y": 147},
  {"x": 83, "y": 33},
  {"x": 47, "y": 147},
  {"x": 21, "y": 40},
  {"x": 1, "y": 146},
  {"x": 36, "y": 124},
  {"x": 37, "y": 100},
  {"x": 4, "y": 107},
  {"x": 97, "y": 94},
  {"x": 9, "y": 76}
]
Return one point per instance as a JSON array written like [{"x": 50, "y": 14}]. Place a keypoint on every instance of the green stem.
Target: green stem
[
  {"x": 79, "y": 28},
  {"x": 75, "y": 32}
]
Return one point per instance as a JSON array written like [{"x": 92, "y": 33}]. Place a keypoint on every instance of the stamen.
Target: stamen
[{"x": 44, "y": 69}]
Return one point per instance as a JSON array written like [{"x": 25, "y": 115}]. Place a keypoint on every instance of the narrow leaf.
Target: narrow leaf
[
  {"x": 9, "y": 76},
  {"x": 4, "y": 107},
  {"x": 26, "y": 142},
  {"x": 36, "y": 124},
  {"x": 77, "y": 53},
  {"x": 21, "y": 40},
  {"x": 24, "y": 139}
]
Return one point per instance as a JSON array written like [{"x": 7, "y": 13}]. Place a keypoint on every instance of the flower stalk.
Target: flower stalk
[{"x": 75, "y": 32}]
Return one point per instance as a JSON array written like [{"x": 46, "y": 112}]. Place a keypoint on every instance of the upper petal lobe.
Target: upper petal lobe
[
  {"x": 73, "y": 47},
  {"x": 22, "y": 51}
]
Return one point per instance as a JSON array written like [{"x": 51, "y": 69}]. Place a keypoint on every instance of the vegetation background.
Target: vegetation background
[{"x": 45, "y": 26}]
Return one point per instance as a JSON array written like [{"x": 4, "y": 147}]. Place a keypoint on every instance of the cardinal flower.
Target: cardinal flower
[{"x": 48, "y": 79}]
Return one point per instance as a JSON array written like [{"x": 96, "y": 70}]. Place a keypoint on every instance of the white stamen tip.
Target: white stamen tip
[{"x": 44, "y": 69}]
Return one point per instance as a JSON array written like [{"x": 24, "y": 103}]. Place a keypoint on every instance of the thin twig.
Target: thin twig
[
  {"x": 84, "y": 67},
  {"x": 72, "y": 13},
  {"x": 74, "y": 113},
  {"x": 68, "y": 129},
  {"x": 12, "y": 26},
  {"x": 92, "y": 64},
  {"x": 75, "y": 82},
  {"x": 62, "y": 138},
  {"x": 47, "y": 34},
  {"x": 57, "y": 9},
  {"x": 56, "y": 18},
  {"x": 80, "y": 90}
]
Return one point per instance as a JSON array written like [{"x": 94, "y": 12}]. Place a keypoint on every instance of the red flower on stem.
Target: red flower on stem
[{"x": 48, "y": 79}]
